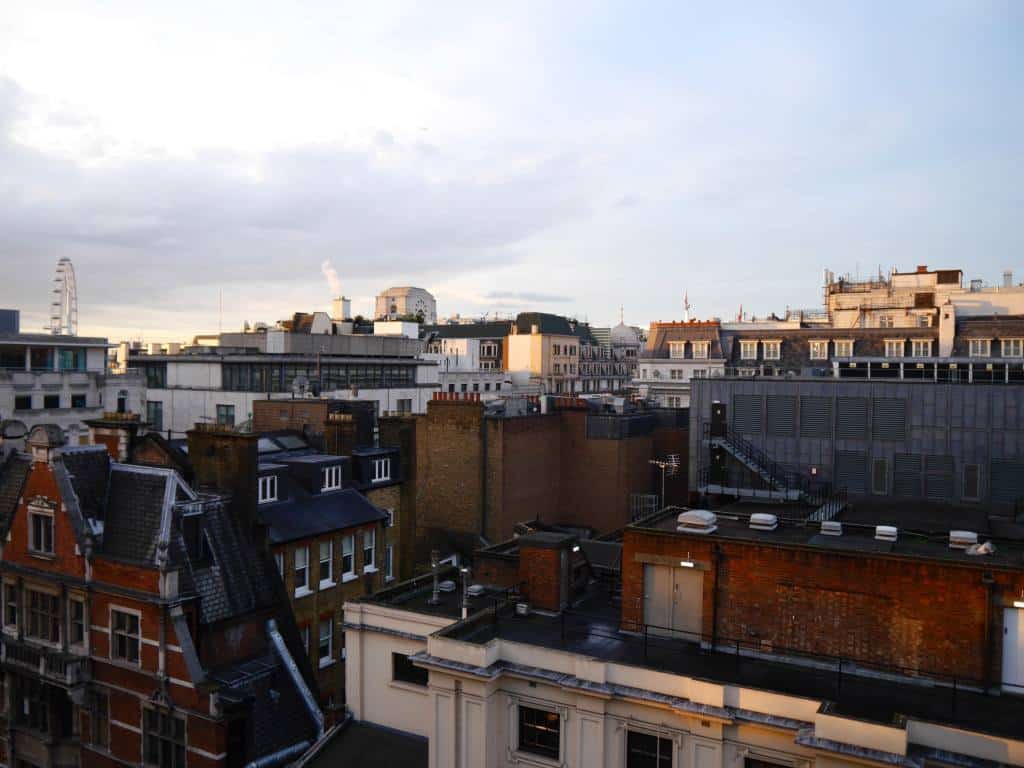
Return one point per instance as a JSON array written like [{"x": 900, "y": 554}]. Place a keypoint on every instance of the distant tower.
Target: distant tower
[
  {"x": 686, "y": 307},
  {"x": 64, "y": 308}
]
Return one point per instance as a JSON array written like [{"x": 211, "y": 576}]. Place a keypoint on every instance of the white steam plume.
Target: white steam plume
[{"x": 332, "y": 278}]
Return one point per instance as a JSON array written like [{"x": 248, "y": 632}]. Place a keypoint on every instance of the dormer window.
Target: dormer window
[
  {"x": 675, "y": 349},
  {"x": 700, "y": 349},
  {"x": 268, "y": 489},
  {"x": 41, "y": 531},
  {"x": 381, "y": 470},
  {"x": 331, "y": 478}
]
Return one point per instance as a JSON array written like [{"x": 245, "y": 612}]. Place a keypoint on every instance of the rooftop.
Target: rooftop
[
  {"x": 923, "y": 530},
  {"x": 371, "y": 746},
  {"x": 415, "y": 595},
  {"x": 592, "y": 628}
]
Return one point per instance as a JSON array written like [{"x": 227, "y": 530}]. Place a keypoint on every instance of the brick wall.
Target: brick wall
[
  {"x": 400, "y": 432},
  {"x": 540, "y": 570},
  {"x": 930, "y": 616},
  {"x": 273, "y": 415}
]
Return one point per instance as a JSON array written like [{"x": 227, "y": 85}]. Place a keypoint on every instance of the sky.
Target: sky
[{"x": 201, "y": 163}]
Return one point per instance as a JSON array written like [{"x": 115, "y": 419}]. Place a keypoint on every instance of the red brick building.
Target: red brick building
[{"x": 140, "y": 622}]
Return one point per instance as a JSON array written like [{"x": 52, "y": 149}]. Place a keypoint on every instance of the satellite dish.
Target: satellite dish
[{"x": 300, "y": 384}]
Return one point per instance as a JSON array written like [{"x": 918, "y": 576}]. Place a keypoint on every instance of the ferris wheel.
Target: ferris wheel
[{"x": 64, "y": 308}]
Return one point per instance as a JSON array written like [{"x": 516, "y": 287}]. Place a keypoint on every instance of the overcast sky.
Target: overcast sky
[{"x": 557, "y": 156}]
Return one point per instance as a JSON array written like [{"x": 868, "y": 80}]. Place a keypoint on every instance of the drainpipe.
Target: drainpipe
[
  {"x": 281, "y": 756},
  {"x": 716, "y": 557}
]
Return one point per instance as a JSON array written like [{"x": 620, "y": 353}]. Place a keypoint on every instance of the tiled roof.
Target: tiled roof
[
  {"x": 13, "y": 471},
  {"x": 303, "y": 516}
]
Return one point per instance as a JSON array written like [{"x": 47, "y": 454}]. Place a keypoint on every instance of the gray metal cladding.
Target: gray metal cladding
[
  {"x": 1007, "y": 480},
  {"x": 906, "y": 475},
  {"x": 972, "y": 485},
  {"x": 781, "y": 415},
  {"x": 938, "y": 487},
  {"x": 939, "y": 464},
  {"x": 852, "y": 471},
  {"x": 851, "y": 418},
  {"x": 815, "y": 416},
  {"x": 889, "y": 418},
  {"x": 746, "y": 414},
  {"x": 880, "y": 476}
]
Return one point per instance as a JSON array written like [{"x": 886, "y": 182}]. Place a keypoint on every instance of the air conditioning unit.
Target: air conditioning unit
[
  {"x": 886, "y": 532},
  {"x": 831, "y": 528},
  {"x": 699, "y": 521},
  {"x": 762, "y": 521},
  {"x": 446, "y": 586},
  {"x": 962, "y": 539},
  {"x": 475, "y": 590}
]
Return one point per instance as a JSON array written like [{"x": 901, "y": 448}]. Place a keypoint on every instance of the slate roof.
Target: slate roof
[
  {"x": 994, "y": 327},
  {"x": 88, "y": 469},
  {"x": 497, "y": 329},
  {"x": 303, "y": 516},
  {"x": 661, "y": 335},
  {"x": 547, "y": 323},
  {"x": 134, "y": 512},
  {"x": 13, "y": 471}
]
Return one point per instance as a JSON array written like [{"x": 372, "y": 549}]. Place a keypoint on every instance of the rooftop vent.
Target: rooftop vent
[
  {"x": 962, "y": 539},
  {"x": 831, "y": 528},
  {"x": 697, "y": 521},
  {"x": 886, "y": 532},
  {"x": 446, "y": 586},
  {"x": 762, "y": 521},
  {"x": 475, "y": 590}
]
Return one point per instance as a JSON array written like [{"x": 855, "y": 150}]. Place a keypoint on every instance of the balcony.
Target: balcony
[{"x": 63, "y": 669}]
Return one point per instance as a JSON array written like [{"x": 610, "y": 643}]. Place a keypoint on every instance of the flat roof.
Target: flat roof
[
  {"x": 592, "y": 628},
  {"x": 922, "y": 531},
  {"x": 50, "y": 339},
  {"x": 415, "y": 595},
  {"x": 372, "y": 746}
]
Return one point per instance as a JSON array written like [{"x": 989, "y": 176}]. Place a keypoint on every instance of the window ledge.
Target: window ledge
[
  {"x": 348, "y": 577},
  {"x": 370, "y": 569},
  {"x": 529, "y": 758},
  {"x": 328, "y": 584},
  {"x": 422, "y": 690},
  {"x": 303, "y": 592},
  {"x": 42, "y": 555},
  {"x": 389, "y": 579},
  {"x": 325, "y": 663}
]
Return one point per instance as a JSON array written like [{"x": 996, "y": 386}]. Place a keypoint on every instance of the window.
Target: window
[
  {"x": 886, "y": 321},
  {"x": 451, "y": 387},
  {"x": 1013, "y": 347},
  {"x": 700, "y": 349},
  {"x": 497, "y": 386},
  {"x": 155, "y": 415},
  {"x": 645, "y": 750},
  {"x": 331, "y": 478},
  {"x": 32, "y": 705},
  {"x": 326, "y": 641},
  {"x": 369, "y": 542},
  {"x": 675, "y": 373},
  {"x": 23, "y": 402},
  {"x": 558, "y": 368},
  {"x": 51, "y": 401},
  {"x": 556, "y": 349},
  {"x": 748, "y": 350},
  {"x": 894, "y": 347},
  {"x": 10, "y": 605},
  {"x": 76, "y": 622},
  {"x": 487, "y": 386},
  {"x": 972, "y": 482},
  {"x": 381, "y": 470},
  {"x": 100, "y": 735},
  {"x": 348, "y": 566},
  {"x": 404, "y": 404},
  {"x": 326, "y": 564},
  {"x": 43, "y": 616},
  {"x": 922, "y": 347},
  {"x": 675, "y": 402},
  {"x": 164, "y": 738},
  {"x": 819, "y": 350},
  {"x": 880, "y": 476},
  {"x": 124, "y": 636},
  {"x": 981, "y": 348},
  {"x": 772, "y": 350},
  {"x": 844, "y": 348},
  {"x": 301, "y": 571},
  {"x": 279, "y": 561},
  {"x": 404, "y": 671},
  {"x": 539, "y": 732},
  {"x": 390, "y": 521},
  {"x": 675, "y": 349},
  {"x": 268, "y": 489},
  {"x": 78, "y": 401},
  {"x": 226, "y": 415},
  {"x": 389, "y": 562},
  {"x": 489, "y": 349},
  {"x": 41, "y": 533}
]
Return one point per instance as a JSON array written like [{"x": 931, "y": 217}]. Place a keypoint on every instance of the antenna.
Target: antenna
[{"x": 64, "y": 308}]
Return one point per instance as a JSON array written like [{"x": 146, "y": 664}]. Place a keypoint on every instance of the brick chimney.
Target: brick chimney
[
  {"x": 545, "y": 569},
  {"x": 118, "y": 432},
  {"x": 226, "y": 461}
]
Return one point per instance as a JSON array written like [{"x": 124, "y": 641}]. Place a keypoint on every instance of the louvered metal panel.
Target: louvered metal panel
[
  {"x": 852, "y": 471},
  {"x": 1007, "y": 480},
  {"x": 780, "y": 414},
  {"x": 906, "y": 475},
  {"x": 880, "y": 476},
  {"x": 889, "y": 418},
  {"x": 942, "y": 465},
  {"x": 938, "y": 486},
  {"x": 972, "y": 484},
  {"x": 815, "y": 416},
  {"x": 852, "y": 418},
  {"x": 746, "y": 414}
]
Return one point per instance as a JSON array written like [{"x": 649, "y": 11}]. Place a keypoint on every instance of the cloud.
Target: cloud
[{"x": 527, "y": 296}]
